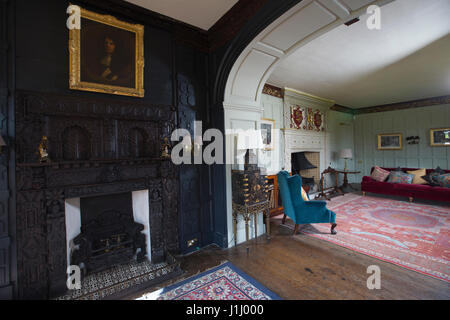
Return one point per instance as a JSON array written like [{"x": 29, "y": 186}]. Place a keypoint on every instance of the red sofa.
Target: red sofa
[{"x": 421, "y": 191}]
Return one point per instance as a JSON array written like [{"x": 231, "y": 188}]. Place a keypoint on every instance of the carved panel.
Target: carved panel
[
  {"x": 74, "y": 138},
  {"x": 4, "y": 263},
  {"x": 56, "y": 240},
  {"x": 127, "y": 135},
  {"x": 32, "y": 245},
  {"x": 156, "y": 221},
  {"x": 97, "y": 147},
  {"x": 186, "y": 92},
  {"x": 7, "y": 236},
  {"x": 3, "y": 214},
  {"x": 76, "y": 143},
  {"x": 80, "y": 128},
  {"x": 137, "y": 143},
  {"x": 170, "y": 204}
]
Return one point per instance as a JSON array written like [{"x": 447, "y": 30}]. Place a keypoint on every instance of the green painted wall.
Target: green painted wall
[
  {"x": 408, "y": 122},
  {"x": 359, "y": 133},
  {"x": 273, "y": 109},
  {"x": 340, "y": 133}
]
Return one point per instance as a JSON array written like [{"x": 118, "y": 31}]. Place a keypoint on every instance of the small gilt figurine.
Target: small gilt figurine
[
  {"x": 43, "y": 154},
  {"x": 165, "y": 148}
]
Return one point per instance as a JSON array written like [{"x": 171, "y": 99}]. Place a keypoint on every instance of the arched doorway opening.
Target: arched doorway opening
[{"x": 299, "y": 25}]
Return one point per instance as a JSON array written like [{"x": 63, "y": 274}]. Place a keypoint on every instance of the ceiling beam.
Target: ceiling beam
[
  {"x": 427, "y": 102},
  {"x": 344, "y": 109},
  {"x": 405, "y": 105}
]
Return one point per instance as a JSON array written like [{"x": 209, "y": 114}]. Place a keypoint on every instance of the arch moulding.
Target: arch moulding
[{"x": 299, "y": 25}]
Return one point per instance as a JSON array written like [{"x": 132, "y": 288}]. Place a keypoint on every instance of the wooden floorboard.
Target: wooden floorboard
[{"x": 304, "y": 268}]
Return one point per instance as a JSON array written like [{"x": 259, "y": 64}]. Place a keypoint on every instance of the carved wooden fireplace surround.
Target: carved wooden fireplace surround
[{"x": 96, "y": 147}]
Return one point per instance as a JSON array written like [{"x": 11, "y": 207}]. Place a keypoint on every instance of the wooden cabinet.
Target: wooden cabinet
[{"x": 274, "y": 198}]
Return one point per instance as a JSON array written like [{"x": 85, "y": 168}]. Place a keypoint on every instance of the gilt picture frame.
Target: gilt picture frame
[
  {"x": 440, "y": 137},
  {"x": 267, "y": 132},
  {"x": 106, "y": 55},
  {"x": 390, "y": 141}
]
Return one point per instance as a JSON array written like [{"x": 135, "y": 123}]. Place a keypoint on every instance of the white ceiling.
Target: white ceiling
[
  {"x": 408, "y": 59},
  {"x": 200, "y": 13}
]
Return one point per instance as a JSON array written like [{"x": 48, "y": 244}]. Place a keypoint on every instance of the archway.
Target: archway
[{"x": 299, "y": 25}]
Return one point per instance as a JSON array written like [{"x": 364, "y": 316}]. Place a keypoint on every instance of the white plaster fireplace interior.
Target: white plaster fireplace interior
[
  {"x": 140, "y": 215},
  {"x": 301, "y": 24}
]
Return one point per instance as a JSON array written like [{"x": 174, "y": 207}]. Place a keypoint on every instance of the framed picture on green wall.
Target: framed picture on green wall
[
  {"x": 389, "y": 141},
  {"x": 440, "y": 137},
  {"x": 267, "y": 131}
]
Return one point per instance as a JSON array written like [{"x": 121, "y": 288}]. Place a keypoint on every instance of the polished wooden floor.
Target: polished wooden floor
[{"x": 304, "y": 267}]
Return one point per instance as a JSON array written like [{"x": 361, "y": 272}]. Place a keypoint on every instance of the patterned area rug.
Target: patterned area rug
[
  {"x": 117, "y": 279},
  {"x": 225, "y": 282},
  {"x": 412, "y": 235}
]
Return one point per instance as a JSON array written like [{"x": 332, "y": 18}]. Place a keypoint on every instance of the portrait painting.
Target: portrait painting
[
  {"x": 392, "y": 141},
  {"x": 267, "y": 127},
  {"x": 106, "y": 55},
  {"x": 440, "y": 137}
]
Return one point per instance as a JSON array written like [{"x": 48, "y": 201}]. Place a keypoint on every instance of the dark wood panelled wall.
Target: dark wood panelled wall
[{"x": 184, "y": 80}]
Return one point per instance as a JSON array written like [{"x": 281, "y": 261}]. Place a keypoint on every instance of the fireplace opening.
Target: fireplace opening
[
  {"x": 306, "y": 165},
  {"x": 109, "y": 234}
]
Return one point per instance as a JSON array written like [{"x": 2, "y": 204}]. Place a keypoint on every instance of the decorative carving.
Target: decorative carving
[
  {"x": 110, "y": 174},
  {"x": 186, "y": 92},
  {"x": 273, "y": 91},
  {"x": 138, "y": 141},
  {"x": 32, "y": 245},
  {"x": 43, "y": 154},
  {"x": 76, "y": 144},
  {"x": 165, "y": 148},
  {"x": 89, "y": 142}
]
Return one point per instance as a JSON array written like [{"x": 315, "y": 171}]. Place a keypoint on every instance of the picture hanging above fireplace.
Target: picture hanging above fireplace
[{"x": 107, "y": 55}]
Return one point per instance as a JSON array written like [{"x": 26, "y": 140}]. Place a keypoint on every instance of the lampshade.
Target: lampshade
[
  {"x": 346, "y": 154},
  {"x": 249, "y": 139}
]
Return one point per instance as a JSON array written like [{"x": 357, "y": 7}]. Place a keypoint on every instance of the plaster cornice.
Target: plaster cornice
[{"x": 307, "y": 97}]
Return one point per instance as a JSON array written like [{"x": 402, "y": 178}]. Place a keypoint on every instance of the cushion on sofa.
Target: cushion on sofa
[
  {"x": 429, "y": 179},
  {"x": 423, "y": 191},
  {"x": 443, "y": 180},
  {"x": 400, "y": 177},
  {"x": 379, "y": 174},
  {"x": 418, "y": 176},
  {"x": 431, "y": 176}
]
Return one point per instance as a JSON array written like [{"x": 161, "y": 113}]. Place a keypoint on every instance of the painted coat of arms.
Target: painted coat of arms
[
  {"x": 298, "y": 117},
  {"x": 318, "y": 121}
]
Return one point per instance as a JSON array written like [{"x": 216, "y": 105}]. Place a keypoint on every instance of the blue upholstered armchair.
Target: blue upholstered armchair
[{"x": 297, "y": 209}]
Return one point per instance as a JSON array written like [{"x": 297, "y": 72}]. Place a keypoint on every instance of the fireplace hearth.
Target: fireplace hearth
[
  {"x": 109, "y": 235},
  {"x": 301, "y": 165}
]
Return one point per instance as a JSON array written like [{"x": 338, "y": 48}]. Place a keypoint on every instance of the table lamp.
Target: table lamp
[
  {"x": 247, "y": 141},
  {"x": 346, "y": 154}
]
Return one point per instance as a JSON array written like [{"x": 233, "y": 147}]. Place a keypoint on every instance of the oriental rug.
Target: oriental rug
[
  {"x": 412, "y": 235},
  {"x": 224, "y": 282}
]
